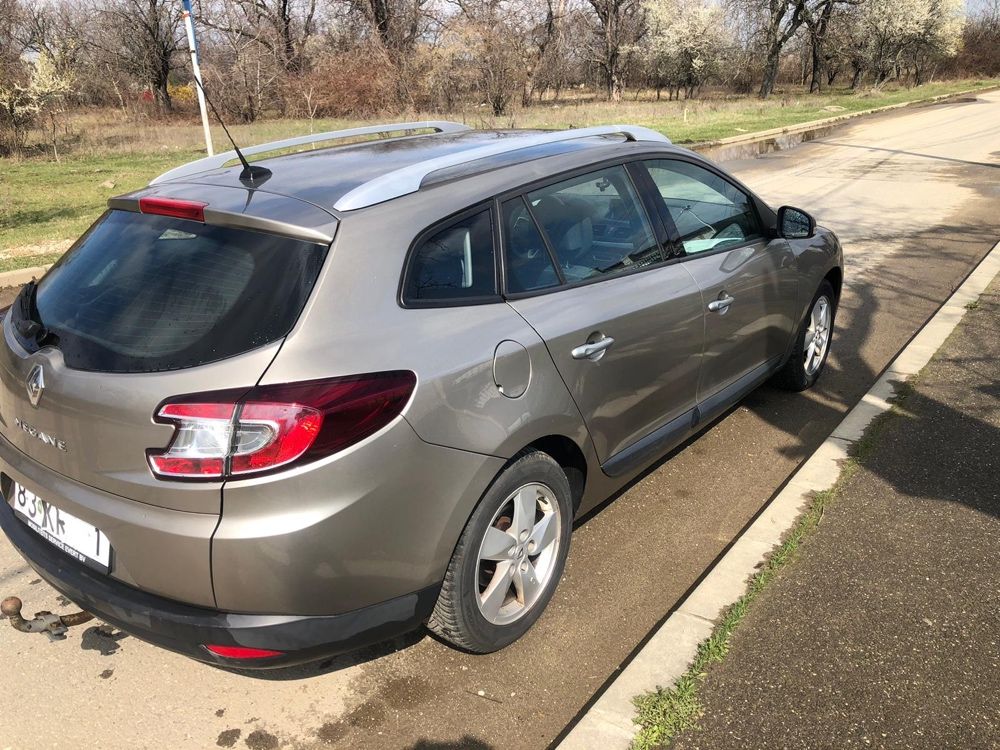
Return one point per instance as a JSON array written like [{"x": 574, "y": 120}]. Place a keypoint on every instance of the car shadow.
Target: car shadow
[{"x": 466, "y": 743}]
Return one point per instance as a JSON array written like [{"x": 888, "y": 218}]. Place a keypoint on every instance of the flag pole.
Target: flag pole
[{"x": 188, "y": 17}]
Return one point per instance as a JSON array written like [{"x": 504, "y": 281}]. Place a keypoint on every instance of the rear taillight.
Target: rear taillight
[
  {"x": 178, "y": 209},
  {"x": 229, "y": 434}
]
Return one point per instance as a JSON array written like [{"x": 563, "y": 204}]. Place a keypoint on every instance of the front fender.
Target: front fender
[{"x": 815, "y": 259}]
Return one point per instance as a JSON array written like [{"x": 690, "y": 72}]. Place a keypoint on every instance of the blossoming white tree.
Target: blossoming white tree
[
  {"x": 23, "y": 106},
  {"x": 685, "y": 43},
  {"x": 911, "y": 32}
]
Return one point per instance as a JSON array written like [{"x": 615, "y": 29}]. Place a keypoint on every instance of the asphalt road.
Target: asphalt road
[{"x": 913, "y": 196}]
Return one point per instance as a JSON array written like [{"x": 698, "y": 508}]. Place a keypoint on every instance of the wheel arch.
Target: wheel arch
[
  {"x": 570, "y": 457},
  {"x": 836, "y": 278}
]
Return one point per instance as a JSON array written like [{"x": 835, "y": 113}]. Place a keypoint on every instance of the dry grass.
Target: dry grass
[
  {"x": 105, "y": 153},
  {"x": 686, "y": 121}
]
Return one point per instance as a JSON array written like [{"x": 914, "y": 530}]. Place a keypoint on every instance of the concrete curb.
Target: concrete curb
[
  {"x": 763, "y": 135},
  {"x": 608, "y": 724},
  {"x": 21, "y": 276}
]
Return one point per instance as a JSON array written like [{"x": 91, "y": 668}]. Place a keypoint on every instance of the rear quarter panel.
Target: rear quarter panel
[
  {"x": 387, "y": 512},
  {"x": 354, "y": 324}
]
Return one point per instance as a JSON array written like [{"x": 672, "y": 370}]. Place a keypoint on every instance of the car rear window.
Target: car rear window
[{"x": 142, "y": 293}]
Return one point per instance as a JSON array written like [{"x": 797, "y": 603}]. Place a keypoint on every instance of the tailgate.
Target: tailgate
[
  {"x": 145, "y": 307},
  {"x": 95, "y": 427}
]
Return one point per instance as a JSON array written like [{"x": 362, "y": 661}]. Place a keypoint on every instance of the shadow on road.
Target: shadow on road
[
  {"x": 841, "y": 144},
  {"x": 948, "y": 438},
  {"x": 466, "y": 743}
]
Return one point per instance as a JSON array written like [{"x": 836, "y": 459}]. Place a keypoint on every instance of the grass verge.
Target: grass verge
[
  {"x": 666, "y": 712},
  {"x": 17, "y": 263},
  {"x": 700, "y": 120}
]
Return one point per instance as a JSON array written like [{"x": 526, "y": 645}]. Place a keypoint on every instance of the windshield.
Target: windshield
[{"x": 142, "y": 293}]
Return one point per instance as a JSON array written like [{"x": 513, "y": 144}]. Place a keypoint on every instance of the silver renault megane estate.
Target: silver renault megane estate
[{"x": 262, "y": 414}]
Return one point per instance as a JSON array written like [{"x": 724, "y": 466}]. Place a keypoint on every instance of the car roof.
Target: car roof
[{"x": 344, "y": 177}]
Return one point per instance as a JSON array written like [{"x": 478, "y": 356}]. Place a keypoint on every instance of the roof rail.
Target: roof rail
[
  {"x": 219, "y": 160},
  {"x": 409, "y": 179}
]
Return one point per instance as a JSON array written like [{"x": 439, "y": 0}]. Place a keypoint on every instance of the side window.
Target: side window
[
  {"x": 595, "y": 225},
  {"x": 529, "y": 265},
  {"x": 708, "y": 211},
  {"x": 454, "y": 263}
]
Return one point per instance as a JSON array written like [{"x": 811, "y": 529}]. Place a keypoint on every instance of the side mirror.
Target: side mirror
[{"x": 795, "y": 224}]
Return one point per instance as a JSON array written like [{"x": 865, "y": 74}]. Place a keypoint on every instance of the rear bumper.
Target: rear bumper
[{"x": 185, "y": 629}]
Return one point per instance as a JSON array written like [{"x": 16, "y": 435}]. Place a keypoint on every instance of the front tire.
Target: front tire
[
  {"x": 812, "y": 345},
  {"x": 509, "y": 559}
]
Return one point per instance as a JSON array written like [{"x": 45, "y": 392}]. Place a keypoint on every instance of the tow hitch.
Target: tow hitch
[{"x": 54, "y": 626}]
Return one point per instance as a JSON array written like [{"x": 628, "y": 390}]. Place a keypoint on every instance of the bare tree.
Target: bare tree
[
  {"x": 141, "y": 38},
  {"x": 57, "y": 30},
  {"x": 981, "y": 46},
  {"x": 13, "y": 18},
  {"x": 541, "y": 38},
  {"x": 397, "y": 24},
  {"x": 243, "y": 58},
  {"x": 358, "y": 58},
  {"x": 282, "y": 27},
  {"x": 619, "y": 25},
  {"x": 780, "y": 20},
  {"x": 818, "y": 23},
  {"x": 488, "y": 39}
]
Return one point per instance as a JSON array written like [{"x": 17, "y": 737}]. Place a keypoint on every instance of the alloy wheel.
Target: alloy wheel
[
  {"x": 817, "y": 335},
  {"x": 518, "y": 553}
]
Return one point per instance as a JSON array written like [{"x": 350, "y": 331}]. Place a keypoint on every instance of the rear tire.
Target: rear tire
[
  {"x": 509, "y": 559},
  {"x": 812, "y": 343}
]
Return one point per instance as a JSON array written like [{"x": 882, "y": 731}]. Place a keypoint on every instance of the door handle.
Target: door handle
[
  {"x": 593, "y": 350},
  {"x": 721, "y": 305}
]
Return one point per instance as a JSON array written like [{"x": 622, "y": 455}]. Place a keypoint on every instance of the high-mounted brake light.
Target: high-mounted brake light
[
  {"x": 175, "y": 207},
  {"x": 223, "y": 435}
]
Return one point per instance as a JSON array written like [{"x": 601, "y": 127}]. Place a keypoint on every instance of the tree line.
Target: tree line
[{"x": 263, "y": 58}]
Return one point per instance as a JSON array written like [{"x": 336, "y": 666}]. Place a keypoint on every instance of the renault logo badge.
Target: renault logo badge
[{"x": 35, "y": 384}]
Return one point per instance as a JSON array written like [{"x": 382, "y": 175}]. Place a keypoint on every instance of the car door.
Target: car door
[
  {"x": 624, "y": 328},
  {"x": 747, "y": 282}
]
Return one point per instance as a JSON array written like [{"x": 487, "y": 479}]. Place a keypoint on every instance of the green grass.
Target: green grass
[
  {"x": 706, "y": 119},
  {"x": 44, "y": 202},
  {"x": 667, "y": 712},
  {"x": 18, "y": 262}
]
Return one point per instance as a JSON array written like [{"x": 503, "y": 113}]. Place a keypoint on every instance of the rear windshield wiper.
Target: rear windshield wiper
[{"x": 28, "y": 323}]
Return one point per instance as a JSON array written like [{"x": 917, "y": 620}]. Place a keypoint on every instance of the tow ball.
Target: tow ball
[{"x": 54, "y": 626}]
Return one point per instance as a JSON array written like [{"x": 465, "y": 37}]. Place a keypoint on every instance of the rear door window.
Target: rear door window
[
  {"x": 529, "y": 264},
  {"x": 595, "y": 225},
  {"x": 143, "y": 293}
]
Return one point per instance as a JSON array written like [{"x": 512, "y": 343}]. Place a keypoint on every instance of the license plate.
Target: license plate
[{"x": 76, "y": 538}]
